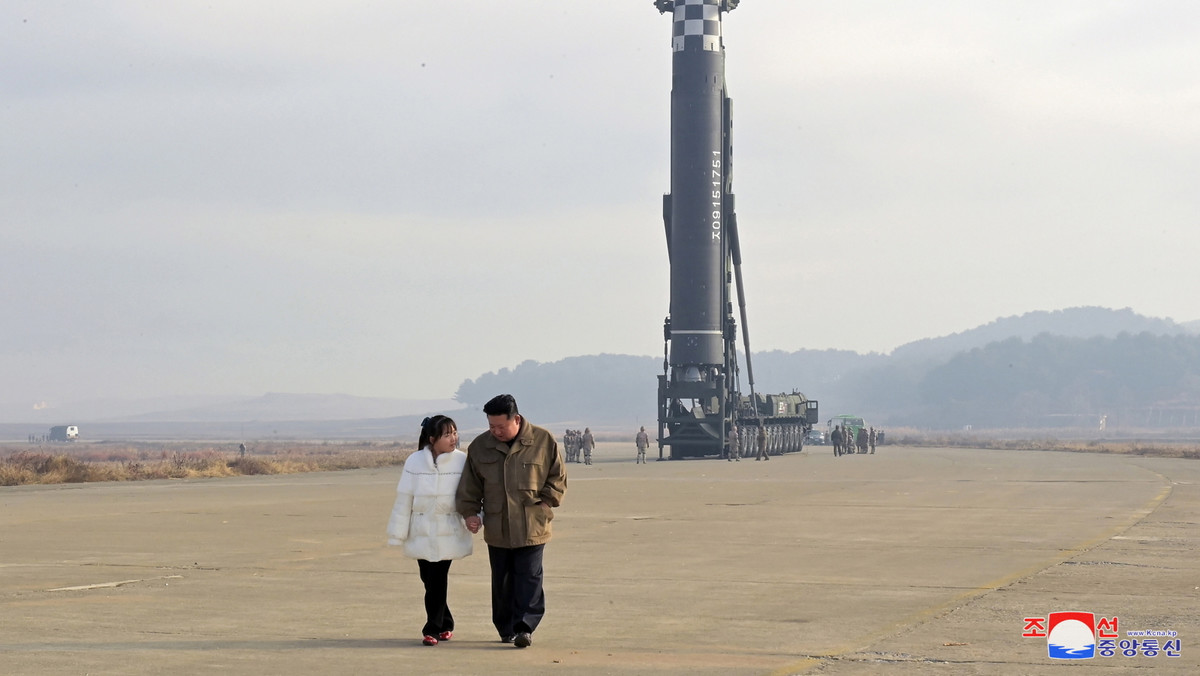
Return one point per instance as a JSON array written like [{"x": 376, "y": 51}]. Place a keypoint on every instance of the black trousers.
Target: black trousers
[
  {"x": 518, "y": 601},
  {"x": 437, "y": 614}
]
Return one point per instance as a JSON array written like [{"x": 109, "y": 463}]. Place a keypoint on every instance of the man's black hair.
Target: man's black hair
[{"x": 501, "y": 404}]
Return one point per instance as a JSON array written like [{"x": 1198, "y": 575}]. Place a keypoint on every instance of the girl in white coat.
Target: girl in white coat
[{"x": 425, "y": 522}]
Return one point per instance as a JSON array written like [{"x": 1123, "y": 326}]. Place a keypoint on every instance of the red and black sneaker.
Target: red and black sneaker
[
  {"x": 429, "y": 640},
  {"x": 445, "y": 636}
]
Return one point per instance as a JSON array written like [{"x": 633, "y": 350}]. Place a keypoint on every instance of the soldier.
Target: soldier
[
  {"x": 871, "y": 440},
  {"x": 762, "y": 443},
  {"x": 734, "y": 451},
  {"x": 642, "y": 440},
  {"x": 588, "y": 444},
  {"x": 862, "y": 440}
]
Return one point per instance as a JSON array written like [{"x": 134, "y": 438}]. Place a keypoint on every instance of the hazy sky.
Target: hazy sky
[{"x": 386, "y": 198}]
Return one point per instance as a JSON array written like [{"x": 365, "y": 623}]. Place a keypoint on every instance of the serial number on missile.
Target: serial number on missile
[{"x": 716, "y": 194}]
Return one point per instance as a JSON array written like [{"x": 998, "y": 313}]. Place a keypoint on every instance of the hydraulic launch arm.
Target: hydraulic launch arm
[{"x": 735, "y": 247}]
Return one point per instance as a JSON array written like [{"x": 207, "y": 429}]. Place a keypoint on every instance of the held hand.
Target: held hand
[{"x": 473, "y": 523}]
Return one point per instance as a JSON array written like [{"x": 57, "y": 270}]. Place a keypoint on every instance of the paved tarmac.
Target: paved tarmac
[{"x": 912, "y": 561}]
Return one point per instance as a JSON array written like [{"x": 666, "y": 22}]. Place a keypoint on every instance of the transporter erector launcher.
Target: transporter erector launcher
[{"x": 698, "y": 394}]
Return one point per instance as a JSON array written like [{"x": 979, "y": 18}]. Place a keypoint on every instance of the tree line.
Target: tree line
[{"x": 1042, "y": 381}]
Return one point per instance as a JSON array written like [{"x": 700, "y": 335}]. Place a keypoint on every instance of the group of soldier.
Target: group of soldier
[
  {"x": 734, "y": 449},
  {"x": 579, "y": 445},
  {"x": 845, "y": 440}
]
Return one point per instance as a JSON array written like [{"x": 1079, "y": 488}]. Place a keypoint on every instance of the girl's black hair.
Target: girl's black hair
[{"x": 433, "y": 428}]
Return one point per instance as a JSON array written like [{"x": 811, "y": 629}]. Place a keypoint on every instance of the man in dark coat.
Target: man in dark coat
[{"x": 514, "y": 476}]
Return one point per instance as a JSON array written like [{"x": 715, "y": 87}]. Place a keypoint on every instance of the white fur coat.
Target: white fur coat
[{"x": 424, "y": 519}]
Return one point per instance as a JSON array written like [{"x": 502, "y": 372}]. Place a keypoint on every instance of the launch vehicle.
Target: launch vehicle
[{"x": 699, "y": 396}]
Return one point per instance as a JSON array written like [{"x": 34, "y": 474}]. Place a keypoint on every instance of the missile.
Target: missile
[
  {"x": 698, "y": 185},
  {"x": 697, "y": 392},
  {"x": 699, "y": 396}
]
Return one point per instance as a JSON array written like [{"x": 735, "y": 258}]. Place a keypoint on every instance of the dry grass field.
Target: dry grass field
[
  {"x": 135, "y": 461},
  {"x": 1182, "y": 444},
  {"x": 79, "y": 463}
]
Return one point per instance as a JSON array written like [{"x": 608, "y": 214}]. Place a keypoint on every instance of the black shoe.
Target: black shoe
[
  {"x": 523, "y": 640},
  {"x": 507, "y": 638}
]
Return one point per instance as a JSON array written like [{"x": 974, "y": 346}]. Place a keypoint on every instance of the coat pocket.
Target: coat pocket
[
  {"x": 537, "y": 521},
  {"x": 529, "y": 482},
  {"x": 493, "y": 515},
  {"x": 491, "y": 474}
]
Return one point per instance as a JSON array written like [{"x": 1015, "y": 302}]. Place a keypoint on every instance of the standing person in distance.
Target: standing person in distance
[
  {"x": 515, "y": 476},
  {"x": 642, "y": 440},
  {"x": 761, "y": 439},
  {"x": 589, "y": 442},
  {"x": 425, "y": 522}
]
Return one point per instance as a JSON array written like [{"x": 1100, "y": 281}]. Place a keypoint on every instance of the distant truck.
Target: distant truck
[
  {"x": 64, "y": 433},
  {"x": 851, "y": 423}
]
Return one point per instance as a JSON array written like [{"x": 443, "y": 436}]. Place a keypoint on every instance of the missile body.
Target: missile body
[
  {"x": 697, "y": 391},
  {"x": 697, "y": 184},
  {"x": 699, "y": 397}
]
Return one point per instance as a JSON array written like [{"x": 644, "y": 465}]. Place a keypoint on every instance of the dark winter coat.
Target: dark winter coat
[{"x": 515, "y": 488}]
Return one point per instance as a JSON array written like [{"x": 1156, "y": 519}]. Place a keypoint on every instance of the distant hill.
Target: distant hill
[
  {"x": 809, "y": 371},
  {"x": 281, "y": 407},
  {"x": 268, "y": 407},
  {"x": 1072, "y": 363},
  {"x": 1078, "y": 322},
  {"x": 576, "y": 391},
  {"x": 912, "y": 386},
  {"x": 1131, "y": 380},
  {"x": 87, "y": 410}
]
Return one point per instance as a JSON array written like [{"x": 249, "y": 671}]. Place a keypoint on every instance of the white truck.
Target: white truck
[{"x": 64, "y": 433}]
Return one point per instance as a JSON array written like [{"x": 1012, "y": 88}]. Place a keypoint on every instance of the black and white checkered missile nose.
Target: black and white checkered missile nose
[{"x": 697, "y": 26}]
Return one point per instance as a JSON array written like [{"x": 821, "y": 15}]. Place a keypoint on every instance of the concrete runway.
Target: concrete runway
[{"x": 913, "y": 561}]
